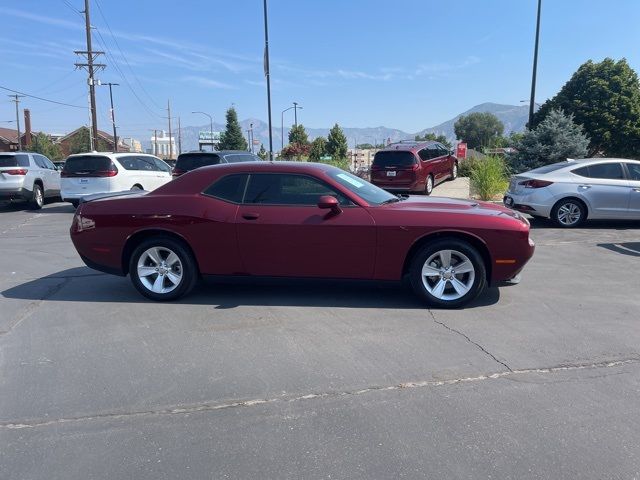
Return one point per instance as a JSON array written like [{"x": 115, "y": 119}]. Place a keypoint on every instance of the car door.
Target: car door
[
  {"x": 54, "y": 176},
  {"x": 148, "y": 170},
  {"x": 46, "y": 175},
  {"x": 431, "y": 160},
  {"x": 633, "y": 170},
  {"x": 605, "y": 188},
  {"x": 447, "y": 162},
  {"x": 164, "y": 171},
  {"x": 282, "y": 232}
]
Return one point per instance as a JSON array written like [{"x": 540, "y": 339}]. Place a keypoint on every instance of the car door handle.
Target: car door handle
[
  {"x": 584, "y": 186},
  {"x": 250, "y": 216}
]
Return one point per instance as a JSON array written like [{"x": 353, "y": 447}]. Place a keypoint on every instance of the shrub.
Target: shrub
[
  {"x": 489, "y": 177},
  {"x": 466, "y": 165},
  {"x": 342, "y": 163}
]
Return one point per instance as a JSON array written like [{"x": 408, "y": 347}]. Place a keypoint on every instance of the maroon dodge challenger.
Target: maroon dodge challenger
[{"x": 292, "y": 219}]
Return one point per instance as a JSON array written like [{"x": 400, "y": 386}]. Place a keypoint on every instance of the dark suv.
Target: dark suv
[
  {"x": 191, "y": 160},
  {"x": 413, "y": 166}
]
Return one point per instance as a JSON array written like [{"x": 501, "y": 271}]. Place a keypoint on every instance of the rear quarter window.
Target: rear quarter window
[{"x": 230, "y": 188}]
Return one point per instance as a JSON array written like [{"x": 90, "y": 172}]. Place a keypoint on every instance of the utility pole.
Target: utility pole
[
  {"x": 267, "y": 74},
  {"x": 91, "y": 68},
  {"x": 295, "y": 113},
  {"x": 179, "y": 137},
  {"x": 16, "y": 100},
  {"x": 535, "y": 69},
  {"x": 113, "y": 116},
  {"x": 155, "y": 142},
  {"x": 170, "y": 143},
  {"x": 251, "y": 142}
]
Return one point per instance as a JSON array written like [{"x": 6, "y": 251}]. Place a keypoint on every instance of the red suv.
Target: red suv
[{"x": 413, "y": 166}]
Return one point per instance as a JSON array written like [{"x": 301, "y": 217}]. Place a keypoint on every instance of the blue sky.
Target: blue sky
[{"x": 408, "y": 64}]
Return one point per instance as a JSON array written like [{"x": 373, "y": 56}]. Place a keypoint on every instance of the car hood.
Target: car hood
[{"x": 452, "y": 205}]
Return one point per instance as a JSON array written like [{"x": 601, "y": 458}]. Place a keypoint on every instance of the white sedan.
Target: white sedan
[{"x": 570, "y": 192}]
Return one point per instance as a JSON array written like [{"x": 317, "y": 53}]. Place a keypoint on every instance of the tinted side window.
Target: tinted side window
[
  {"x": 608, "y": 171},
  {"x": 230, "y": 188},
  {"x": 40, "y": 161},
  {"x": 191, "y": 161},
  {"x": 160, "y": 165},
  {"x": 634, "y": 171},
  {"x": 129, "y": 163},
  {"x": 147, "y": 164},
  {"x": 49, "y": 163},
  {"x": 430, "y": 153},
  {"x": 274, "y": 189}
]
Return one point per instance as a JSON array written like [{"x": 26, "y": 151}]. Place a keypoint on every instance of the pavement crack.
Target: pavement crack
[
  {"x": 468, "y": 339},
  {"x": 33, "y": 306},
  {"x": 212, "y": 407}
]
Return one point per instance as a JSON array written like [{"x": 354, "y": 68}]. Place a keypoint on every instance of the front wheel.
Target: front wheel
[
  {"x": 454, "y": 171},
  {"x": 448, "y": 273},
  {"x": 163, "y": 269}
]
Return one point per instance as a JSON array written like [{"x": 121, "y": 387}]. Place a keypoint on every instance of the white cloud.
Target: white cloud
[{"x": 206, "y": 82}]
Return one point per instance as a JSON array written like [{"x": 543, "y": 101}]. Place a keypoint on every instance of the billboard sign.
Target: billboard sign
[{"x": 208, "y": 137}]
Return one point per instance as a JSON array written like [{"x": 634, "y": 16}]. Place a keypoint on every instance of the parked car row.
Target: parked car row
[{"x": 33, "y": 178}]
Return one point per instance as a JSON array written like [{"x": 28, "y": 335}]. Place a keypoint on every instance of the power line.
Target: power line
[
  {"x": 124, "y": 57},
  {"x": 40, "y": 98}
]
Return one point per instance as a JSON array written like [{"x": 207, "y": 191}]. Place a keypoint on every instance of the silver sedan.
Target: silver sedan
[{"x": 570, "y": 192}]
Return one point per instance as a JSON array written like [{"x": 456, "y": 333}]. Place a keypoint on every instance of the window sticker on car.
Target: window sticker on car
[{"x": 352, "y": 181}]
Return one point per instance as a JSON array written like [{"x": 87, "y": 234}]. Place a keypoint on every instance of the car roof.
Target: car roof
[
  {"x": 588, "y": 161},
  {"x": 410, "y": 145},
  {"x": 275, "y": 167},
  {"x": 112, "y": 155},
  {"x": 216, "y": 152}
]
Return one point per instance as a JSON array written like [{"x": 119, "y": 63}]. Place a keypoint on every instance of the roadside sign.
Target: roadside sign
[
  {"x": 326, "y": 157},
  {"x": 208, "y": 137},
  {"x": 461, "y": 150}
]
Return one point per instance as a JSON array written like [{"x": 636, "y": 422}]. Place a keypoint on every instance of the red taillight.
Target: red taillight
[
  {"x": 106, "y": 173},
  {"x": 17, "y": 171},
  {"x": 177, "y": 172},
  {"x": 535, "y": 183}
]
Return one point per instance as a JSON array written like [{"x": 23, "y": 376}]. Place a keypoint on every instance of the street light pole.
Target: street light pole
[
  {"x": 113, "y": 115},
  {"x": 210, "y": 126},
  {"x": 295, "y": 106},
  {"x": 267, "y": 74},
  {"x": 535, "y": 68}
]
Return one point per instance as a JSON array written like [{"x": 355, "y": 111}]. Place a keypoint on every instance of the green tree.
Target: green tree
[
  {"x": 429, "y": 136},
  {"x": 605, "y": 99},
  {"x": 232, "y": 138},
  {"x": 262, "y": 153},
  {"x": 298, "y": 134},
  {"x": 337, "y": 143},
  {"x": 296, "y": 151},
  {"x": 42, "y": 143},
  {"x": 479, "y": 129},
  {"x": 318, "y": 149},
  {"x": 555, "y": 139}
]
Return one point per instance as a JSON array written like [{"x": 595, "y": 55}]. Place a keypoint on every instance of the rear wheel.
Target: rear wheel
[
  {"x": 163, "y": 269},
  {"x": 136, "y": 187},
  {"x": 569, "y": 213},
  {"x": 428, "y": 187},
  {"x": 448, "y": 273},
  {"x": 37, "y": 200}
]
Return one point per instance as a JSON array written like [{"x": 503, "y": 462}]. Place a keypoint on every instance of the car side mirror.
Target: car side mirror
[{"x": 327, "y": 202}]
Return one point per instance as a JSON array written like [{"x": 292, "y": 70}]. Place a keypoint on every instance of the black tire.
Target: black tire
[
  {"x": 37, "y": 199},
  {"x": 188, "y": 268},
  {"x": 454, "y": 171},
  {"x": 136, "y": 188},
  {"x": 569, "y": 213},
  {"x": 428, "y": 185},
  {"x": 475, "y": 281},
  {"x": 75, "y": 203}
]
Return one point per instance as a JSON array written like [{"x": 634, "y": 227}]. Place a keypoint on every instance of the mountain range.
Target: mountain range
[{"x": 514, "y": 118}]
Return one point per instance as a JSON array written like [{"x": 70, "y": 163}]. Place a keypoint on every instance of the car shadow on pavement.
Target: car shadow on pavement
[
  {"x": 629, "y": 248},
  {"x": 53, "y": 207},
  {"x": 85, "y": 285},
  {"x": 541, "y": 223}
]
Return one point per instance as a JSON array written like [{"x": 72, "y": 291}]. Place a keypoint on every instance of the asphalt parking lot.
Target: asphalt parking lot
[{"x": 322, "y": 380}]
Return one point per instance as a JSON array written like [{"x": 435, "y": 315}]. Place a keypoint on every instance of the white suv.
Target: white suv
[
  {"x": 28, "y": 177},
  {"x": 97, "y": 172}
]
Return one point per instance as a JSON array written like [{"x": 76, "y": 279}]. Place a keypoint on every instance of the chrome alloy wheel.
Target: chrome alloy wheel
[
  {"x": 159, "y": 270},
  {"x": 448, "y": 275},
  {"x": 569, "y": 214},
  {"x": 429, "y": 186},
  {"x": 454, "y": 173},
  {"x": 39, "y": 197}
]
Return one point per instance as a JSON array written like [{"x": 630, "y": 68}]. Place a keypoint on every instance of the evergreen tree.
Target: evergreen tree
[
  {"x": 337, "y": 143},
  {"x": 318, "y": 149},
  {"x": 232, "y": 138},
  {"x": 298, "y": 134},
  {"x": 555, "y": 139},
  {"x": 605, "y": 99},
  {"x": 262, "y": 153}
]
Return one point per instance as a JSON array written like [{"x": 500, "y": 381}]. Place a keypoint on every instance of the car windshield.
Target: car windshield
[
  {"x": 241, "y": 157},
  {"x": 191, "y": 161},
  {"x": 87, "y": 163},
  {"x": 368, "y": 192},
  {"x": 553, "y": 167},
  {"x": 14, "y": 161},
  {"x": 394, "y": 158}
]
